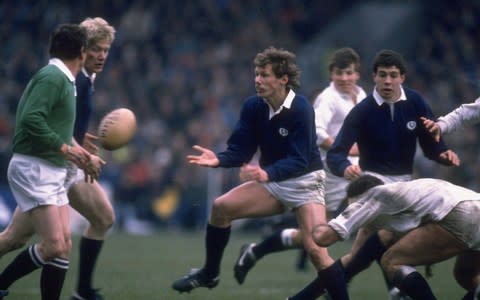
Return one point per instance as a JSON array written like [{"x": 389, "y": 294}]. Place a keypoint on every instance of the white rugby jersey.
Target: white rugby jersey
[
  {"x": 401, "y": 206},
  {"x": 331, "y": 108},
  {"x": 464, "y": 115}
]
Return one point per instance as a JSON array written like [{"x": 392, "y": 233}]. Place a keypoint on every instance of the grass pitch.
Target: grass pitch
[{"x": 144, "y": 267}]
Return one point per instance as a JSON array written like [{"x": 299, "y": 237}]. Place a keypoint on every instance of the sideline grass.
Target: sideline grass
[{"x": 143, "y": 268}]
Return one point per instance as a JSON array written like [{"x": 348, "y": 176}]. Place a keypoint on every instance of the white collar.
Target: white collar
[
  {"x": 287, "y": 103},
  {"x": 379, "y": 99},
  {"x": 61, "y": 65},
  {"x": 91, "y": 77}
]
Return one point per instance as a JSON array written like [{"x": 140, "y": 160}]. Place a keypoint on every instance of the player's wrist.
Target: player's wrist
[{"x": 65, "y": 149}]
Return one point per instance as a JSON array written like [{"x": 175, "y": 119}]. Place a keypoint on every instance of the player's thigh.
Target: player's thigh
[
  {"x": 249, "y": 199},
  {"x": 427, "y": 244},
  {"x": 467, "y": 269},
  {"x": 90, "y": 200}
]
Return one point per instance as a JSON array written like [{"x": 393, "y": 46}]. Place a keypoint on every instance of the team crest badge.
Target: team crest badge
[
  {"x": 411, "y": 125},
  {"x": 283, "y": 131}
]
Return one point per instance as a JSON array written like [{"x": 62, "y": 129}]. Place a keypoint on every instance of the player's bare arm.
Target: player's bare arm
[{"x": 207, "y": 157}]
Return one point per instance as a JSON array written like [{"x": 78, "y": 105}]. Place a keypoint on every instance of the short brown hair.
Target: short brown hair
[
  {"x": 343, "y": 58},
  {"x": 389, "y": 58},
  {"x": 283, "y": 63}
]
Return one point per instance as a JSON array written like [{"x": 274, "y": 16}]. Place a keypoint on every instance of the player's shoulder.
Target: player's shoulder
[
  {"x": 253, "y": 100},
  {"x": 51, "y": 74},
  {"x": 412, "y": 94},
  {"x": 366, "y": 104},
  {"x": 326, "y": 97},
  {"x": 301, "y": 105}
]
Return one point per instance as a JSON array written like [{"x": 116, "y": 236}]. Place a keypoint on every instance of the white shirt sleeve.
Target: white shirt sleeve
[
  {"x": 356, "y": 215},
  {"x": 324, "y": 112},
  {"x": 464, "y": 115}
]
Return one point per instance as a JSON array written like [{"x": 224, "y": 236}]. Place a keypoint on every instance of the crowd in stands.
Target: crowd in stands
[
  {"x": 446, "y": 69},
  {"x": 184, "y": 68}
]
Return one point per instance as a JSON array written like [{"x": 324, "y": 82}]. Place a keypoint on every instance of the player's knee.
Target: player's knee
[
  {"x": 103, "y": 222},
  {"x": 56, "y": 248},
  {"x": 220, "y": 210},
  {"x": 387, "y": 263}
]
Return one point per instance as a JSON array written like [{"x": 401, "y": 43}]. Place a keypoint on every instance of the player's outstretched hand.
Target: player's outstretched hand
[
  {"x": 207, "y": 157},
  {"x": 450, "y": 158},
  {"x": 91, "y": 164},
  {"x": 89, "y": 143},
  {"x": 432, "y": 128},
  {"x": 93, "y": 168}
]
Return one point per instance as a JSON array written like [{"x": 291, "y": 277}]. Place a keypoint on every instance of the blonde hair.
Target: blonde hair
[{"x": 98, "y": 30}]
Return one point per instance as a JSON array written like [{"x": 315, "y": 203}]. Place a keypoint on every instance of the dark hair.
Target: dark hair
[
  {"x": 389, "y": 58},
  {"x": 67, "y": 41},
  {"x": 362, "y": 184},
  {"x": 283, "y": 63},
  {"x": 343, "y": 58}
]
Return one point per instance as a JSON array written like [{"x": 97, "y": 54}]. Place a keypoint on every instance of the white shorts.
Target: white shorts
[
  {"x": 74, "y": 175},
  {"x": 335, "y": 191},
  {"x": 462, "y": 222},
  {"x": 35, "y": 181},
  {"x": 298, "y": 191}
]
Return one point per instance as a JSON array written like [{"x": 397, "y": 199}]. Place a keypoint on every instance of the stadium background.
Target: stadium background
[{"x": 185, "y": 66}]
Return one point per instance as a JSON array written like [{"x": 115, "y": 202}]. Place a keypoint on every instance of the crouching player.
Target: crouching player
[{"x": 423, "y": 221}]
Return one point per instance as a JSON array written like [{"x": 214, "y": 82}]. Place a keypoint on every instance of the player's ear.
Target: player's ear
[
  {"x": 284, "y": 79},
  {"x": 83, "y": 55}
]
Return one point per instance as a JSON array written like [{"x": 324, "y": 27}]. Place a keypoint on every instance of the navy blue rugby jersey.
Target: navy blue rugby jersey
[
  {"x": 387, "y": 144},
  {"x": 84, "y": 106},
  {"x": 287, "y": 142}
]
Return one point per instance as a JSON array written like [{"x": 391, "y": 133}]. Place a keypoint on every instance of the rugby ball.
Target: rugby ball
[{"x": 117, "y": 129}]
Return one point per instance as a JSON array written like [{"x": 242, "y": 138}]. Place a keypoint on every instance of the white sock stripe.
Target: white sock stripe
[
  {"x": 35, "y": 256},
  {"x": 287, "y": 239},
  {"x": 59, "y": 263}
]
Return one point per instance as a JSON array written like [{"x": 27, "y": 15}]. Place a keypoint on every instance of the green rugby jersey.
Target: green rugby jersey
[{"x": 45, "y": 115}]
